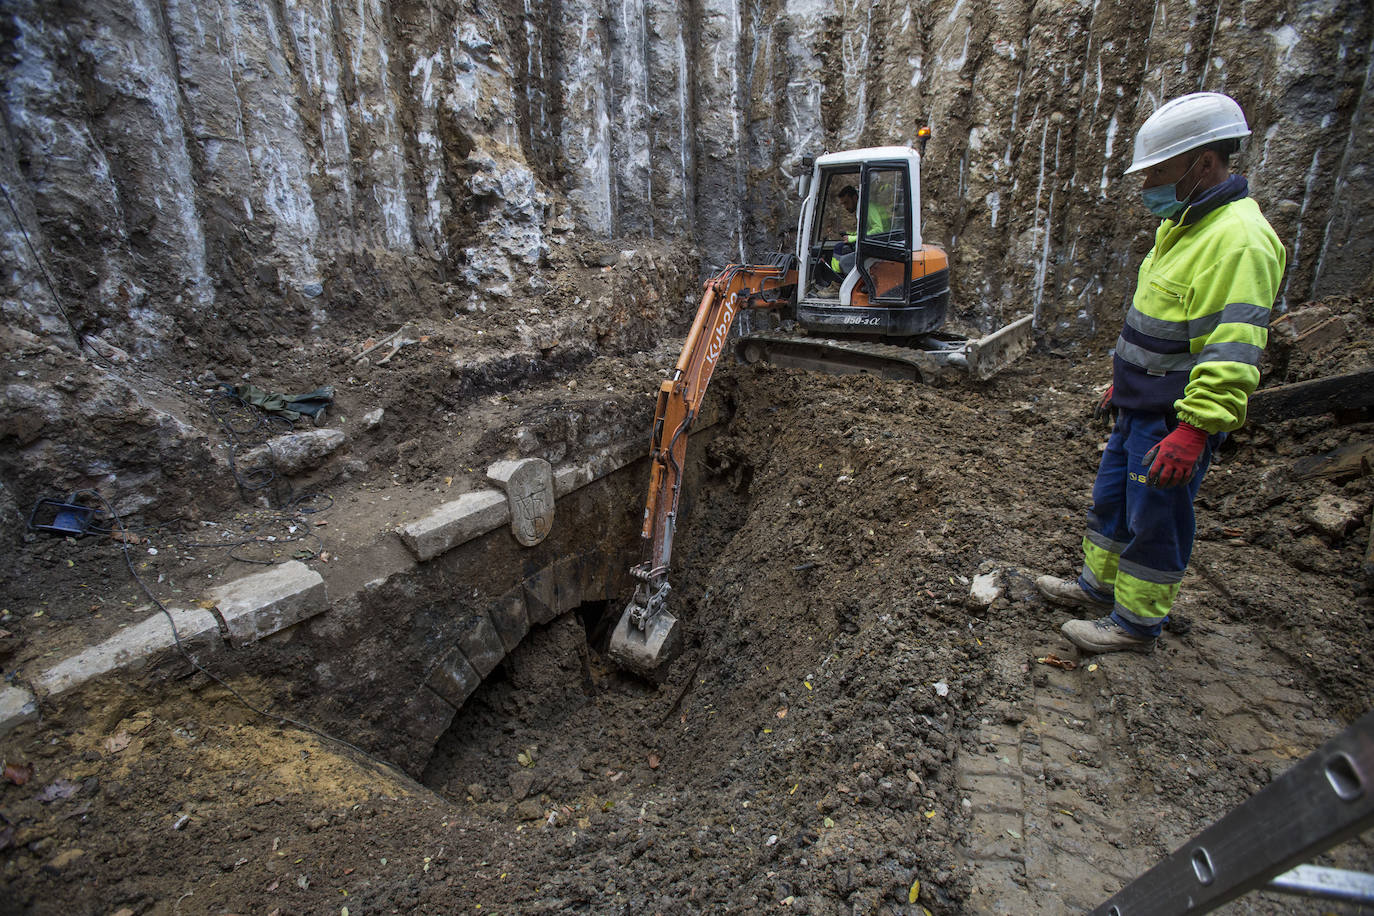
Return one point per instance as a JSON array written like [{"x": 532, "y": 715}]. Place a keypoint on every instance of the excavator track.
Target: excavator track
[
  {"x": 840, "y": 357},
  {"x": 938, "y": 356}
]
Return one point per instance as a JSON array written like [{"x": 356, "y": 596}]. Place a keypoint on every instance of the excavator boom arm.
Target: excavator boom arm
[
  {"x": 647, "y": 634},
  {"x": 681, "y": 396}
]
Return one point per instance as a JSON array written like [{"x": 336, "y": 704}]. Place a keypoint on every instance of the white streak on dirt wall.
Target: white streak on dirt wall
[
  {"x": 322, "y": 72},
  {"x": 430, "y": 147},
  {"x": 1107, "y": 155},
  {"x": 587, "y": 123},
  {"x": 803, "y": 132},
  {"x": 1295, "y": 260},
  {"x": 150, "y": 74},
  {"x": 628, "y": 97},
  {"x": 684, "y": 144},
  {"x": 273, "y": 135},
  {"x": 535, "y": 96},
  {"x": 388, "y": 157},
  {"x": 1342, "y": 205},
  {"x": 233, "y": 57},
  {"x": 733, "y": 15},
  {"x": 1043, "y": 232},
  {"x": 854, "y": 52},
  {"x": 1015, "y": 117},
  {"x": 1285, "y": 40}
]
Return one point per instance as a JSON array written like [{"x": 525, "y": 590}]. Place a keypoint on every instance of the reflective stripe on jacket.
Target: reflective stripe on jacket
[{"x": 1199, "y": 320}]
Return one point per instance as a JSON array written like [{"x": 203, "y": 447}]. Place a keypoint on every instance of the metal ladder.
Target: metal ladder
[{"x": 1321, "y": 801}]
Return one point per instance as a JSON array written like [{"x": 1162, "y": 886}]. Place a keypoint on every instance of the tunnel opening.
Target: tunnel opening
[
  {"x": 598, "y": 619},
  {"x": 530, "y": 708}
]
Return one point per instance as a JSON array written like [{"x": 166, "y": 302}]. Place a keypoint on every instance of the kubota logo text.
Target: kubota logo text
[{"x": 722, "y": 328}]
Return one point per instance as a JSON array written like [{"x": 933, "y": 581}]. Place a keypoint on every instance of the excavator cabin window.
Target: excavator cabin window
[
  {"x": 876, "y": 241},
  {"x": 884, "y": 252},
  {"x": 835, "y": 231}
]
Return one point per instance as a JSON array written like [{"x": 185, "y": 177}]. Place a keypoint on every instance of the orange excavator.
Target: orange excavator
[{"x": 859, "y": 295}]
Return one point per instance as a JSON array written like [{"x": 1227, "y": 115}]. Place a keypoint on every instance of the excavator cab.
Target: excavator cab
[
  {"x": 844, "y": 193},
  {"x": 865, "y": 270}
]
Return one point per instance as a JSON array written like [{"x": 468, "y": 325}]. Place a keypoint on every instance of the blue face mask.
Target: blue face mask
[{"x": 1162, "y": 200}]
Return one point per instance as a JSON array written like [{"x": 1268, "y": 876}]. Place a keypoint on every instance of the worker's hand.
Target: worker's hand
[
  {"x": 1175, "y": 459},
  {"x": 1105, "y": 411}
]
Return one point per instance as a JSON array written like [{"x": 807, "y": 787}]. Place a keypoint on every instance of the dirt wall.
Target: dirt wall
[{"x": 175, "y": 164}]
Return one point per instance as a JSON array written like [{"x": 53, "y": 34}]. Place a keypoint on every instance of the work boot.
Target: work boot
[
  {"x": 1069, "y": 593},
  {"x": 1094, "y": 637}
]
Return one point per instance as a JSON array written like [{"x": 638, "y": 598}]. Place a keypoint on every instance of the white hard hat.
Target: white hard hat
[{"x": 1185, "y": 123}]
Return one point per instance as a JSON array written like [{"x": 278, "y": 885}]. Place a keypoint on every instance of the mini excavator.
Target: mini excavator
[{"x": 859, "y": 295}]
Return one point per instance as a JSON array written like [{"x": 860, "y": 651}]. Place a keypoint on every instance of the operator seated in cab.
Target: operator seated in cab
[{"x": 877, "y": 219}]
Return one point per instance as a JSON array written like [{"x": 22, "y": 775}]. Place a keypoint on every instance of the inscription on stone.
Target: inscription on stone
[{"x": 529, "y": 489}]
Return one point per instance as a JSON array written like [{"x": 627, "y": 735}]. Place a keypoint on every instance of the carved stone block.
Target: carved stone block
[{"x": 529, "y": 489}]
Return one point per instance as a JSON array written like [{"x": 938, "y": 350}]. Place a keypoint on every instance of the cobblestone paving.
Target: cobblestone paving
[{"x": 1071, "y": 786}]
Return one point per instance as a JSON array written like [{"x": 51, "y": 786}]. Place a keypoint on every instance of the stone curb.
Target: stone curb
[
  {"x": 17, "y": 705},
  {"x": 469, "y": 516},
  {"x": 246, "y": 610},
  {"x": 482, "y": 511},
  {"x": 129, "y": 647},
  {"x": 260, "y": 605}
]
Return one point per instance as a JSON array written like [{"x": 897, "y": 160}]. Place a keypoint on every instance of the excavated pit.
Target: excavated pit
[
  {"x": 849, "y": 725},
  {"x": 523, "y": 203}
]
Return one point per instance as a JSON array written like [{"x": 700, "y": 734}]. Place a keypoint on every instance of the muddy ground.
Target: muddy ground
[{"x": 813, "y": 749}]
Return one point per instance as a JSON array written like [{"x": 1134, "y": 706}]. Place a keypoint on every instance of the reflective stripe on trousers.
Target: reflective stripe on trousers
[{"x": 1139, "y": 537}]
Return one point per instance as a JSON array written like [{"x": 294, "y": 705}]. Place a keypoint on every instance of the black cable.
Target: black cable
[
  {"x": 224, "y": 405},
  {"x": 296, "y": 502},
  {"x": 52, "y": 288},
  {"x": 310, "y": 553},
  {"x": 176, "y": 637}
]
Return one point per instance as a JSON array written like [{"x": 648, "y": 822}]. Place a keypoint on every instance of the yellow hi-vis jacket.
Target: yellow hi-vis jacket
[
  {"x": 876, "y": 219},
  {"x": 1199, "y": 320}
]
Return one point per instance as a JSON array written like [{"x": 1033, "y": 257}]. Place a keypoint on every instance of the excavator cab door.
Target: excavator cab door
[
  {"x": 830, "y": 230},
  {"x": 883, "y": 260}
]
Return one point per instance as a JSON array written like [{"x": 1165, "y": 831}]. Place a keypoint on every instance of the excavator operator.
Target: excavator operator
[{"x": 877, "y": 218}]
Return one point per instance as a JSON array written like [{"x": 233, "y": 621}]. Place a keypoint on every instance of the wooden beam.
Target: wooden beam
[
  {"x": 1304, "y": 399},
  {"x": 1344, "y": 463}
]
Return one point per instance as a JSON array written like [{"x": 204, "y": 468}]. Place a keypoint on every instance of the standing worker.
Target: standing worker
[{"x": 1185, "y": 365}]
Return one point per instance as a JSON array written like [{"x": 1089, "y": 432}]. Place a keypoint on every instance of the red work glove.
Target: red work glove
[
  {"x": 1173, "y": 461},
  {"x": 1104, "y": 409}
]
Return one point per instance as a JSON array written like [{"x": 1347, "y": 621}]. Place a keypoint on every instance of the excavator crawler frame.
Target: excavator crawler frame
[{"x": 932, "y": 356}]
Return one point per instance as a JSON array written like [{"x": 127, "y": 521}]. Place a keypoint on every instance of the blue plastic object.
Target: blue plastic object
[{"x": 57, "y": 517}]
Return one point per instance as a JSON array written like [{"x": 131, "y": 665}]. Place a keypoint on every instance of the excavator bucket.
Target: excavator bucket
[
  {"x": 647, "y": 637},
  {"x": 989, "y": 355}
]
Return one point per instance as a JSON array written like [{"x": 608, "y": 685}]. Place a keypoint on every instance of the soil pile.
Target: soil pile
[{"x": 811, "y": 750}]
